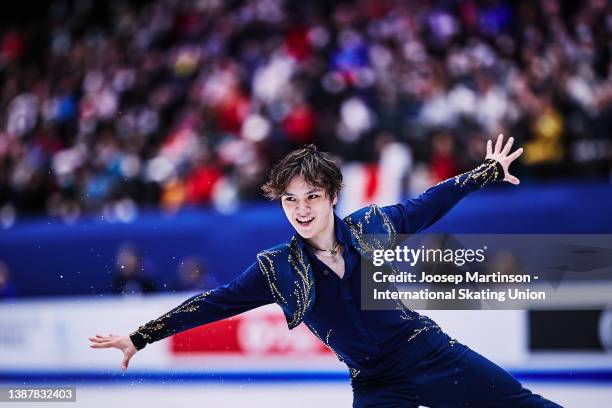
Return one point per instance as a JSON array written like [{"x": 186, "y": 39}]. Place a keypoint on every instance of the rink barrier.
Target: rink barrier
[{"x": 593, "y": 376}]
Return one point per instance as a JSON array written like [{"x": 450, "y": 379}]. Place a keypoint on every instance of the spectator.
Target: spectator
[
  {"x": 7, "y": 287},
  {"x": 130, "y": 276},
  {"x": 193, "y": 275}
]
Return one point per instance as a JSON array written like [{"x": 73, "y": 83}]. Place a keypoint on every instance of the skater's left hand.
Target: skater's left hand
[{"x": 502, "y": 156}]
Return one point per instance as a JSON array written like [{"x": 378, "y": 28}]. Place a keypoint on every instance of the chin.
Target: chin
[{"x": 305, "y": 234}]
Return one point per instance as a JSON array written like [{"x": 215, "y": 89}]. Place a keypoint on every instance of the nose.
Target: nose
[{"x": 302, "y": 207}]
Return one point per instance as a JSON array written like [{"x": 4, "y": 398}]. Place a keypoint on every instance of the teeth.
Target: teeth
[{"x": 304, "y": 220}]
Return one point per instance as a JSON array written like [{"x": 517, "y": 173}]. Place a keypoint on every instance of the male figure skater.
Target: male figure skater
[{"x": 396, "y": 358}]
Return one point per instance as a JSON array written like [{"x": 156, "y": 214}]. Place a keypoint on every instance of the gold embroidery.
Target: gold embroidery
[
  {"x": 423, "y": 330},
  {"x": 353, "y": 372},
  {"x": 303, "y": 286},
  {"x": 158, "y": 324},
  {"x": 270, "y": 273},
  {"x": 357, "y": 230},
  {"x": 484, "y": 173}
]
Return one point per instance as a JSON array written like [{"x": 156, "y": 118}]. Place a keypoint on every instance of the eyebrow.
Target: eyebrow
[{"x": 316, "y": 190}]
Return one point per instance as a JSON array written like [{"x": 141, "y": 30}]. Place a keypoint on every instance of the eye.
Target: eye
[
  {"x": 289, "y": 198},
  {"x": 313, "y": 196}
]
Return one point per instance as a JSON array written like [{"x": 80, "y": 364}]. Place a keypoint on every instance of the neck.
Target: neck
[{"x": 326, "y": 239}]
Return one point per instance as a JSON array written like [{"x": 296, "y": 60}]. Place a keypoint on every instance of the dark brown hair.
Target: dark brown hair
[{"x": 318, "y": 169}]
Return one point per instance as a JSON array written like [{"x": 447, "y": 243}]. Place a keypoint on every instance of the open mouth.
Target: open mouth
[{"x": 304, "y": 221}]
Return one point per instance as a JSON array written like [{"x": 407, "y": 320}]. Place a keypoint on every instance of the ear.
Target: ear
[{"x": 335, "y": 199}]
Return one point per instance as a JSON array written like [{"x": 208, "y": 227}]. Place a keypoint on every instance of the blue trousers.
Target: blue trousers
[{"x": 438, "y": 373}]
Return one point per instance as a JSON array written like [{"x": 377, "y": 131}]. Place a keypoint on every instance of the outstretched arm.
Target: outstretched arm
[
  {"x": 246, "y": 292},
  {"x": 419, "y": 213}
]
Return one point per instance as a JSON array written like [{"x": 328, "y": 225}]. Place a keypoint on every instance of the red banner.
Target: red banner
[{"x": 253, "y": 333}]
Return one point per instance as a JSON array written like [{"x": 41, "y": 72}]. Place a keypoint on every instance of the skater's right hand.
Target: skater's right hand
[{"x": 123, "y": 343}]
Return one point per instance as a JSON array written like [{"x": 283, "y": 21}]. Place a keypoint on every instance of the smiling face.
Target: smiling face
[{"x": 309, "y": 210}]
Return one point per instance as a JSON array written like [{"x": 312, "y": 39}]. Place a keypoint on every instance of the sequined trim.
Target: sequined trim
[
  {"x": 482, "y": 175},
  {"x": 353, "y": 372},
  {"x": 422, "y": 330},
  {"x": 358, "y": 229},
  {"x": 428, "y": 325},
  {"x": 266, "y": 265},
  {"x": 303, "y": 286},
  {"x": 158, "y": 324}
]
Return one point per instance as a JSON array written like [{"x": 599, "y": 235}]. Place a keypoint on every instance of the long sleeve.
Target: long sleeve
[
  {"x": 247, "y": 291},
  {"x": 419, "y": 213}
]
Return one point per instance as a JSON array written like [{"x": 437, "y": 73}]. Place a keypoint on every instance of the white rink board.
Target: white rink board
[{"x": 52, "y": 335}]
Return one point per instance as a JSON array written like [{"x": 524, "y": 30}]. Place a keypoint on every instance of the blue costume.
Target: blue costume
[{"x": 396, "y": 358}]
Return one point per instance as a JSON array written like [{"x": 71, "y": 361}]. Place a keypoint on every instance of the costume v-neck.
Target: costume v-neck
[{"x": 343, "y": 237}]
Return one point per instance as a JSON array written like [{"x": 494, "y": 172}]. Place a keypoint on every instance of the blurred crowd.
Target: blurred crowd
[
  {"x": 108, "y": 108},
  {"x": 134, "y": 274}
]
